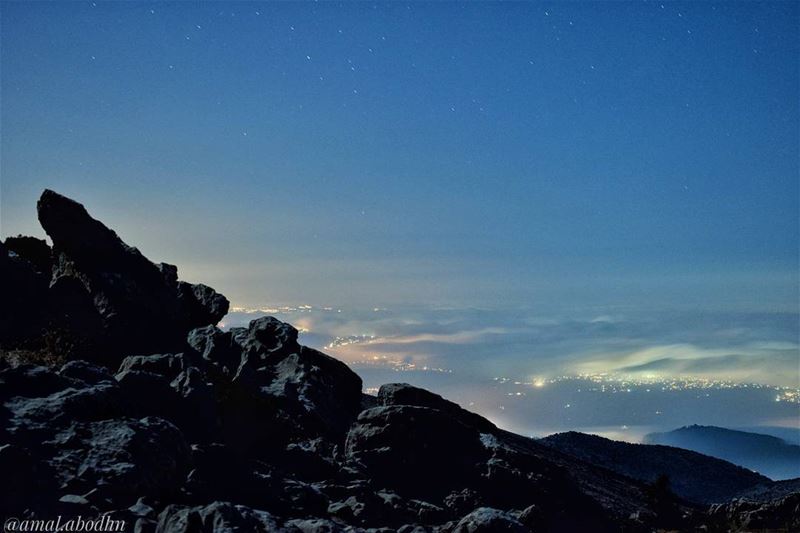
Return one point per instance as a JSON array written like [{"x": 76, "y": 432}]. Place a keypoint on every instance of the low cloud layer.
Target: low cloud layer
[
  {"x": 509, "y": 365},
  {"x": 745, "y": 347}
]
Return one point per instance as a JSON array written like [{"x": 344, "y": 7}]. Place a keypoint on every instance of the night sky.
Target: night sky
[{"x": 598, "y": 161}]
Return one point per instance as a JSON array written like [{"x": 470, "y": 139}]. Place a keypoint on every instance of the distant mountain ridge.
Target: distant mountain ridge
[
  {"x": 790, "y": 435},
  {"x": 693, "y": 476},
  {"x": 771, "y": 456}
]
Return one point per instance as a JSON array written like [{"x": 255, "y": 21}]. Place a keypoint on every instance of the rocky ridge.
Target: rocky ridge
[{"x": 120, "y": 396}]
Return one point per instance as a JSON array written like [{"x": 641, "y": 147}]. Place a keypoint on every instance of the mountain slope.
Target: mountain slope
[
  {"x": 693, "y": 476},
  {"x": 771, "y": 456}
]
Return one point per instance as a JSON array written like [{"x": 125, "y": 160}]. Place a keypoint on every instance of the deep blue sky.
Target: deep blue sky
[{"x": 601, "y": 153}]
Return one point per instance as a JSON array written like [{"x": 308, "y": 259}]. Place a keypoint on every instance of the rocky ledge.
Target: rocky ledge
[{"x": 121, "y": 397}]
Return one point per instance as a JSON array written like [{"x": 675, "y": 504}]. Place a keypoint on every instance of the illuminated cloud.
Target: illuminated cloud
[{"x": 758, "y": 362}]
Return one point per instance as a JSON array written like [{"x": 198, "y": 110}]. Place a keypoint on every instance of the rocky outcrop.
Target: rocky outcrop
[
  {"x": 93, "y": 294},
  {"x": 177, "y": 426},
  {"x": 399, "y": 445},
  {"x": 743, "y": 515},
  {"x": 34, "y": 251},
  {"x": 405, "y": 394},
  {"x": 272, "y": 390}
]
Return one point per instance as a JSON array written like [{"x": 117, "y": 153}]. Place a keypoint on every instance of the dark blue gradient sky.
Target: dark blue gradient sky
[{"x": 474, "y": 154}]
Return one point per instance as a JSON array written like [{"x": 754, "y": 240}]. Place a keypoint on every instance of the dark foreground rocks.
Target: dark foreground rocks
[{"x": 182, "y": 427}]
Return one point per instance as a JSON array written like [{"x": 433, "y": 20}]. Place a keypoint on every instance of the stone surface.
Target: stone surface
[
  {"x": 488, "y": 520},
  {"x": 401, "y": 445},
  {"x": 405, "y": 394}
]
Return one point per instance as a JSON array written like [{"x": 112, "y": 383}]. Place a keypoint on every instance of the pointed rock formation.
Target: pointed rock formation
[{"x": 97, "y": 296}]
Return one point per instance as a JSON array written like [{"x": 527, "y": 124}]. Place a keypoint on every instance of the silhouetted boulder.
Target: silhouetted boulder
[
  {"x": 417, "y": 451},
  {"x": 142, "y": 306},
  {"x": 25, "y": 306},
  {"x": 405, "y": 394},
  {"x": 265, "y": 339},
  {"x": 34, "y": 251},
  {"x": 217, "y": 346},
  {"x": 305, "y": 393}
]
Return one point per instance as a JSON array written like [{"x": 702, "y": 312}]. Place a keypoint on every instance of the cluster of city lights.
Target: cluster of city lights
[
  {"x": 397, "y": 365},
  {"x": 787, "y": 395},
  {"x": 338, "y": 342},
  {"x": 612, "y": 383},
  {"x": 283, "y": 309}
]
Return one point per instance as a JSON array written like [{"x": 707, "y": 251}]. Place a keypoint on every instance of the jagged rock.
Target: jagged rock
[
  {"x": 142, "y": 306},
  {"x": 217, "y": 517},
  {"x": 142, "y": 509},
  {"x": 201, "y": 303},
  {"x": 291, "y": 391},
  {"x": 520, "y": 477},
  {"x": 416, "y": 450},
  {"x": 355, "y": 510},
  {"x": 405, "y": 394},
  {"x": 384, "y": 508},
  {"x": 460, "y": 502},
  {"x": 532, "y": 517},
  {"x": 167, "y": 365},
  {"x": 32, "y": 418},
  {"x": 488, "y": 520},
  {"x": 265, "y": 338},
  {"x": 30, "y": 381},
  {"x": 124, "y": 458},
  {"x": 188, "y": 400},
  {"x": 314, "y": 525},
  {"x": 75, "y": 427},
  {"x": 85, "y": 372},
  {"x": 741, "y": 515},
  {"x": 34, "y": 251},
  {"x": 325, "y": 388},
  {"x": 413, "y": 528},
  {"x": 25, "y": 300},
  {"x": 217, "y": 346}
]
